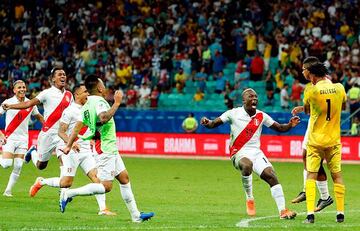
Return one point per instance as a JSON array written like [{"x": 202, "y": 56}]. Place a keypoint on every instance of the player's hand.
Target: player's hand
[
  {"x": 76, "y": 147},
  {"x": 5, "y": 106},
  {"x": 204, "y": 121},
  {"x": 66, "y": 150},
  {"x": 297, "y": 110},
  {"x": 118, "y": 97},
  {"x": 294, "y": 121},
  {"x": 3, "y": 140}
]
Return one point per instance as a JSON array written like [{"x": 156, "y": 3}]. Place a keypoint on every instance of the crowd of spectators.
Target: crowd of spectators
[{"x": 152, "y": 47}]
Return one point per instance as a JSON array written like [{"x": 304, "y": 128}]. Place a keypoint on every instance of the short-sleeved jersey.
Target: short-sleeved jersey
[
  {"x": 103, "y": 134},
  {"x": 239, "y": 120},
  {"x": 325, "y": 100},
  {"x": 51, "y": 98},
  {"x": 22, "y": 131},
  {"x": 70, "y": 116}
]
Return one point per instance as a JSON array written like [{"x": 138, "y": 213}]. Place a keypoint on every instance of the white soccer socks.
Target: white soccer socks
[
  {"x": 247, "y": 184},
  {"x": 101, "y": 200},
  {"x": 323, "y": 189},
  {"x": 128, "y": 197},
  {"x": 278, "y": 195},
  {"x": 52, "y": 182},
  {"x": 87, "y": 190},
  {"x": 14, "y": 176}
]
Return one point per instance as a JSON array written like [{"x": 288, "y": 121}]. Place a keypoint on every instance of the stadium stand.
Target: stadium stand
[{"x": 131, "y": 42}]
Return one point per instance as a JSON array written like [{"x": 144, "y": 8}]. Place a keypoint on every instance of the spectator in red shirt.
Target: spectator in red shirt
[
  {"x": 154, "y": 97},
  {"x": 131, "y": 97},
  {"x": 256, "y": 68},
  {"x": 296, "y": 90}
]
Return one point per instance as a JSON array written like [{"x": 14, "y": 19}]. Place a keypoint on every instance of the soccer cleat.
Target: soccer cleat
[
  {"x": 106, "y": 212},
  {"x": 310, "y": 218},
  {"x": 27, "y": 157},
  {"x": 7, "y": 194},
  {"x": 35, "y": 187},
  {"x": 250, "y": 207},
  {"x": 287, "y": 214},
  {"x": 64, "y": 200},
  {"x": 323, "y": 204},
  {"x": 144, "y": 217},
  {"x": 340, "y": 218},
  {"x": 300, "y": 198}
]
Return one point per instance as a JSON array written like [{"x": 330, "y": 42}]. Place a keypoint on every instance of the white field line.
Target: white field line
[{"x": 246, "y": 222}]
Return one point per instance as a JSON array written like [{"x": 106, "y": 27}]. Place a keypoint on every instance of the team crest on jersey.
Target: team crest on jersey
[
  {"x": 256, "y": 122},
  {"x": 67, "y": 99}
]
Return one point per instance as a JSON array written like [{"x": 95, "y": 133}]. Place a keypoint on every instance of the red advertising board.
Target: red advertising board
[{"x": 286, "y": 147}]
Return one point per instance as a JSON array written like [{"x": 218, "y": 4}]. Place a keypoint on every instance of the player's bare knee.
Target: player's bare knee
[
  {"x": 123, "y": 177},
  {"x": 245, "y": 166},
  {"x": 93, "y": 176},
  {"x": 41, "y": 165},
  {"x": 107, "y": 185},
  {"x": 269, "y": 176},
  {"x": 66, "y": 182}
]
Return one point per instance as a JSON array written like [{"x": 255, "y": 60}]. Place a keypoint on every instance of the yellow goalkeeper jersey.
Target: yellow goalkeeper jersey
[{"x": 325, "y": 100}]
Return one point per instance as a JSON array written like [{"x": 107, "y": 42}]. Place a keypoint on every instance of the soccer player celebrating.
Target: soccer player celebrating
[
  {"x": 321, "y": 182},
  {"x": 324, "y": 102},
  {"x": 246, "y": 124},
  {"x": 54, "y": 100},
  {"x": 97, "y": 115},
  {"x": 16, "y": 137},
  {"x": 73, "y": 160}
]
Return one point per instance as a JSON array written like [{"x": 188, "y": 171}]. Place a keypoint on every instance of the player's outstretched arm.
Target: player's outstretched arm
[
  {"x": 73, "y": 137},
  {"x": 297, "y": 110},
  {"x": 107, "y": 115},
  {"x": 294, "y": 121},
  {"x": 40, "y": 118},
  {"x": 22, "y": 105},
  {"x": 62, "y": 132},
  {"x": 211, "y": 123},
  {"x": 2, "y": 138}
]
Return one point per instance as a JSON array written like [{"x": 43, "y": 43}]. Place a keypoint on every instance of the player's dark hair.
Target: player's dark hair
[
  {"x": 77, "y": 87},
  {"x": 91, "y": 82},
  {"x": 318, "y": 69},
  {"x": 52, "y": 72},
  {"x": 311, "y": 60}
]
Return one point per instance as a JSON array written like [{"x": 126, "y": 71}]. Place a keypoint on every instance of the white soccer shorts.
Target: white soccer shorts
[
  {"x": 255, "y": 155},
  {"x": 73, "y": 160},
  {"x": 15, "y": 147},
  {"x": 47, "y": 142},
  {"x": 109, "y": 166}
]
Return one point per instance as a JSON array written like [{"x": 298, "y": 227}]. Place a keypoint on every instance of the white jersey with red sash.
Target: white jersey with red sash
[
  {"x": 17, "y": 121},
  {"x": 245, "y": 130},
  {"x": 54, "y": 101},
  {"x": 70, "y": 116}
]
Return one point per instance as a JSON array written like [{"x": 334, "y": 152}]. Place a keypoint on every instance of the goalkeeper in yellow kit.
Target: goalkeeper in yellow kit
[{"x": 324, "y": 102}]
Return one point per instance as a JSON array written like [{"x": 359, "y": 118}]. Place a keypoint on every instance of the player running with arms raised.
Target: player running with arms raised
[
  {"x": 73, "y": 160},
  {"x": 54, "y": 99},
  {"x": 246, "y": 124},
  {"x": 16, "y": 137},
  {"x": 97, "y": 115}
]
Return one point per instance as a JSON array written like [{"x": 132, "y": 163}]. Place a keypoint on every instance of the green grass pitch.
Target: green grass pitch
[{"x": 184, "y": 194}]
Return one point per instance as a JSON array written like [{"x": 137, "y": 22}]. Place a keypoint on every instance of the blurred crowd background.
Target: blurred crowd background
[{"x": 182, "y": 53}]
